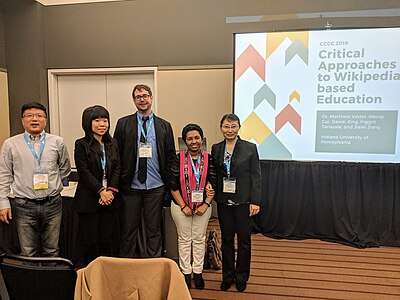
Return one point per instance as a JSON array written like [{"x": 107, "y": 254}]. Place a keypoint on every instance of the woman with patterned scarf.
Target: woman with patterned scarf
[{"x": 191, "y": 207}]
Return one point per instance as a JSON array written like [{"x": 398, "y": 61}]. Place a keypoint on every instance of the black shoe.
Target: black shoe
[
  {"x": 241, "y": 286},
  {"x": 225, "y": 285},
  {"x": 198, "y": 281},
  {"x": 188, "y": 280}
]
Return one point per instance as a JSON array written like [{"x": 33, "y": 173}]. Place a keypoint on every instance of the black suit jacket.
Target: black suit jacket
[
  {"x": 88, "y": 165},
  {"x": 245, "y": 167},
  {"x": 126, "y": 133}
]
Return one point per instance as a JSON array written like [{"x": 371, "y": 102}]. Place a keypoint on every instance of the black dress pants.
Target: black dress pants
[
  {"x": 234, "y": 219},
  {"x": 98, "y": 234},
  {"x": 136, "y": 203}
]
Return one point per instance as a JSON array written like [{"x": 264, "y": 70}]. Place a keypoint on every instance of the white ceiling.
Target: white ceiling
[{"x": 60, "y": 2}]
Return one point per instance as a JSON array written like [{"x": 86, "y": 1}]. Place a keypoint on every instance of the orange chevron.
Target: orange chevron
[
  {"x": 288, "y": 115},
  {"x": 274, "y": 39},
  {"x": 250, "y": 58}
]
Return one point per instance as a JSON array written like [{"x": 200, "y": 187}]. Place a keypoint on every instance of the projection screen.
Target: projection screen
[{"x": 328, "y": 95}]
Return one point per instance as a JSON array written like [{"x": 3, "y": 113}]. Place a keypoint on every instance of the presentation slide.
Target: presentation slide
[{"x": 327, "y": 95}]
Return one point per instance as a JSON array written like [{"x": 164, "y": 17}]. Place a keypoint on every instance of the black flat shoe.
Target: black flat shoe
[
  {"x": 241, "y": 286},
  {"x": 225, "y": 285},
  {"x": 198, "y": 281},
  {"x": 188, "y": 280}
]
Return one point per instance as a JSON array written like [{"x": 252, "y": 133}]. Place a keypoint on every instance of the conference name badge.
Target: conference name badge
[
  {"x": 104, "y": 182},
  {"x": 40, "y": 181},
  {"x": 197, "y": 196},
  {"x": 145, "y": 150},
  {"x": 229, "y": 185}
]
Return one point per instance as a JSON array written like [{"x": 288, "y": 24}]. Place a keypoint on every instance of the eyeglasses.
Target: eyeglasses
[
  {"x": 144, "y": 97},
  {"x": 227, "y": 127},
  {"x": 30, "y": 116}
]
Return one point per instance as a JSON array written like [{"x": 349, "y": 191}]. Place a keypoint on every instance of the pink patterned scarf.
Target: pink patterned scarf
[{"x": 187, "y": 176}]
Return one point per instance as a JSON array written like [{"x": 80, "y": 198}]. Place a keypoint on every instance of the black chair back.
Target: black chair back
[{"x": 39, "y": 278}]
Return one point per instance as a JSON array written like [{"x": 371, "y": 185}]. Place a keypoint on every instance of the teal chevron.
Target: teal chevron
[
  {"x": 264, "y": 93},
  {"x": 296, "y": 48},
  {"x": 272, "y": 148}
]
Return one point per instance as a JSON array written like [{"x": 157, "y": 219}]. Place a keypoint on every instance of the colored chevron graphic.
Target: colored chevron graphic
[
  {"x": 288, "y": 115},
  {"x": 254, "y": 128},
  {"x": 294, "y": 95},
  {"x": 274, "y": 39},
  {"x": 265, "y": 93},
  {"x": 272, "y": 148},
  {"x": 250, "y": 58},
  {"x": 296, "y": 48}
]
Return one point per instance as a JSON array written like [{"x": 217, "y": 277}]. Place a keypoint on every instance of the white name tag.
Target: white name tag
[
  {"x": 229, "y": 185},
  {"x": 40, "y": 181},
  {"x": 197, "y": 196},
  {"x": 145, "y": 150},
  {"x": 104, "y": 183}
]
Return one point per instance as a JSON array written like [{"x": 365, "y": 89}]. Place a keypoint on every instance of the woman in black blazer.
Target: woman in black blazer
[
  {"x": 98, "y": 165},
  {"x": 238, "y": 195}
]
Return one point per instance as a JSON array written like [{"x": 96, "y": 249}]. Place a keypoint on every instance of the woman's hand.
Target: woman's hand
[
  {"x": 106, "y": 197},
  {"x": 254, "y": 209},
  {"x": 187, "y": 211},
  {"x": 200, "y": 210},
  {"x": 210, "y": 192}
]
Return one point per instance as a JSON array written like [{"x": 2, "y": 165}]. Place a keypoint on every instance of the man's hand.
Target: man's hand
[{"x": 5, "y": 215}]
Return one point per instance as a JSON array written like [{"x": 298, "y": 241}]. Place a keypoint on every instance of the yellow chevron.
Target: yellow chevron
[
  {"x": 254, "y": 128},
  {"x": 274, "y": 39},
  {"x": 294, "y": 95}
]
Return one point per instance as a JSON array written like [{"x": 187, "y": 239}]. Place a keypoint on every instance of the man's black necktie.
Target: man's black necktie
[{"x": 142, "y": 176}]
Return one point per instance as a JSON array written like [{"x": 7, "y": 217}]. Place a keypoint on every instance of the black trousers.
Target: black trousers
[
  {"x": 98, "y": 233},
  {"x": 136, "y": 203},
  {"x": 235, "y": 220}
]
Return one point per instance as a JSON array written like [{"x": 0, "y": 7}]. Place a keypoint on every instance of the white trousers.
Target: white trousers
[{"x": 191, "y": 236}]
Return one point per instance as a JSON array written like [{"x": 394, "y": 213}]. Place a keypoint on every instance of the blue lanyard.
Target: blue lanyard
[
  {"x": 28, "y": 142},
  {"x": 227, "y": 161},
  {"x": 145, "y": 134},
  {"x": 103, "y": 159},
  {"x": 196, "y": 171}
]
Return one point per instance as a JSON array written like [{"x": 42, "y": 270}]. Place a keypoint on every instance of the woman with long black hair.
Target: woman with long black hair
[{"x": 98, "y": 165}]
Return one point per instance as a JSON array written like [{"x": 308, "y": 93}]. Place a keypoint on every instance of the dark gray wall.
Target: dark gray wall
[
  {"x": 144, "y": 33},
  {"x": 24, "y": 52},
  {"x": 2, "y": 42},
  {"x": 176, "y": 32}
]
